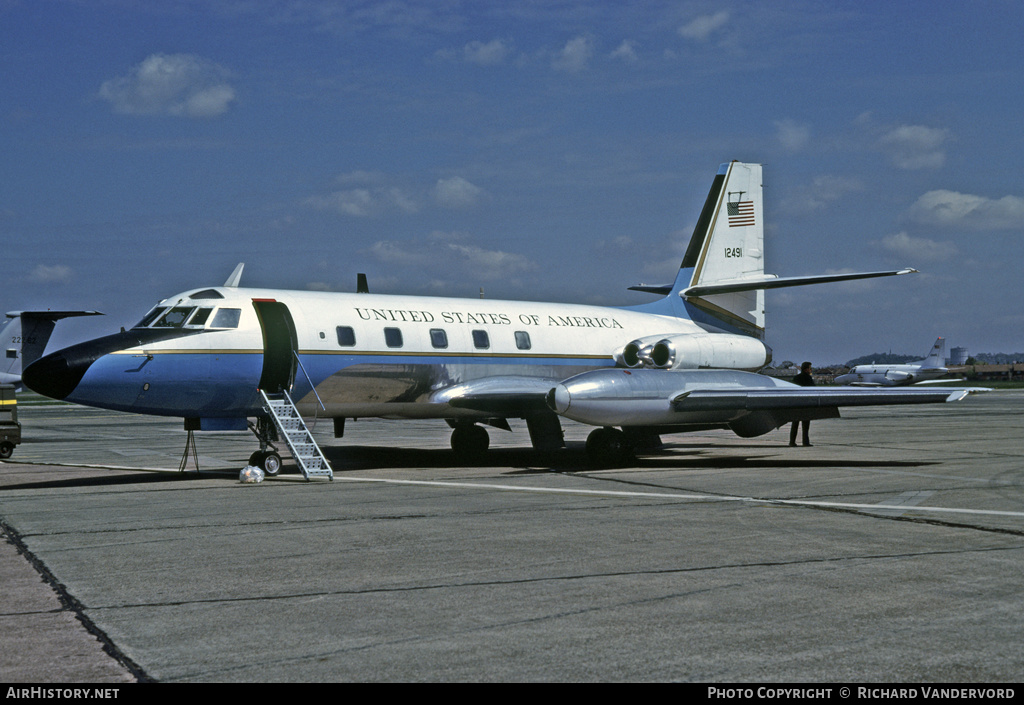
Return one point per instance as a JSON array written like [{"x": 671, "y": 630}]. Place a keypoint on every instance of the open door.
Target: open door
[{"x": 279, "y": 345}]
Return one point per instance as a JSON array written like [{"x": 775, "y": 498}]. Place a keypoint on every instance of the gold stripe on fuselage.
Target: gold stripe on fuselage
[{"x": 374, "y": 353}]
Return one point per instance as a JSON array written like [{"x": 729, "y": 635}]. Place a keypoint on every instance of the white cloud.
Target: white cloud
[
  {"x": 362, "y": 177},
  {"x": 371, "y": 195},
  {"x": 821, "y": 193},
  {"x": 701, "y": 28},
  {"x": 391, "y": 253},
  {"x": 626, "y": 51},
  {"x": 50, "y": 274},
  {"x": 456, "y": 192},
  {"x": 574, "y": 55},
  {"x": 363, "y": 202},
  {"x": 792, "y": 136},
  {"x": 171, "y": 84},
  {"x": 916, "y": 146},
  {"x": 918, "y": 248},
  {"x": 949, "y": 208},
  {"x": 493, "y": 52},
  {"x": 401, "y": 200},
  {"x": 356, "y": 202},
  {"x": 451, "y": 254}
]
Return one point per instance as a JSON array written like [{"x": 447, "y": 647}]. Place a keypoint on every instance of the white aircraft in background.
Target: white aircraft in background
[
  {"x": 24, "y": 336},
  {"x": 928, "y": 369},
  {"x": 216, "y": 356}
]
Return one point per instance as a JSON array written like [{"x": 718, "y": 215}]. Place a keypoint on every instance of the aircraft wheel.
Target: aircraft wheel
[
  {"x": 470, "y": 441},
  {"x": 6, "y": 448},
  {"x": 271, "y": 464},
  {"x": 608, "y": 447},
  {"x": 269, "y": 461}
]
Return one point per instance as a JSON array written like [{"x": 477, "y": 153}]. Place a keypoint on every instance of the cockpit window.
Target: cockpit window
[
  {"x": 175, "y": 318},
  {"x": 200, "y": 317},
  {"x": 227, "y": 318},
  {"x": 150, "y": 317}
]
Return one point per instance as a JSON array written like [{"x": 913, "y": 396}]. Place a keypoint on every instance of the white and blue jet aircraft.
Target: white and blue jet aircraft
[
  {"x": 928, "y": 369},
  {"x": 685, "y": 361},
  {"x": 24, "y": 336}
]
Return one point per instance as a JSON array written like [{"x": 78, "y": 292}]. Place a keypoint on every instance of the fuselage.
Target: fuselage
[
  {"x": 890, "y": 375},
  {"x": 205, "y": 353}
]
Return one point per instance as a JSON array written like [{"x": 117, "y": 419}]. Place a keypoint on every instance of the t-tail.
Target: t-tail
[
  {"x": 721, "y": 281},
  {"x": 937, "y": 357},
  {"x": 24, "y": 335}
]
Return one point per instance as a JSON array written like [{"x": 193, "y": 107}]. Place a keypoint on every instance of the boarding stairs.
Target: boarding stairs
[{"x": 292, "y": 429}]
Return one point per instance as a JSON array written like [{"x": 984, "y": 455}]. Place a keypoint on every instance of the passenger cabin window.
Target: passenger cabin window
[
  {"x": 438, "y": 338},
  {"x": 346, "y": 336},
  {"x": 393, "y": 337},
  {"x": 227, "y": 318},
  {"x": 481, "y": 341},
  {"x": 523, "y": 340}
]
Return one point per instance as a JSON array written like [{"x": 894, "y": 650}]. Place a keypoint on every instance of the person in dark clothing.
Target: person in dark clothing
[{"x": 804, "y": 379}]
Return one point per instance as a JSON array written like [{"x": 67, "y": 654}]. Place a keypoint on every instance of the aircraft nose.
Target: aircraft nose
[{"x": 54, "y": 375}]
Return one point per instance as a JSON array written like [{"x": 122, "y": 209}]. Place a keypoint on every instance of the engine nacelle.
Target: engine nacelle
[
  {"x": 710, "y": 350},
  {"x": 637, "y": 353},
  {"x": 899, "y": 377}
]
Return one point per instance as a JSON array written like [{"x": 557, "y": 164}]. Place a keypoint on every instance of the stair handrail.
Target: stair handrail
[{"x": 308, "y": 379}]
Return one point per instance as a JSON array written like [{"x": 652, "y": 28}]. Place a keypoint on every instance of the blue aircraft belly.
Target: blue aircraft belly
[
  {"x": 218, "y": 384},
  {"x": 173, "y": 384}
]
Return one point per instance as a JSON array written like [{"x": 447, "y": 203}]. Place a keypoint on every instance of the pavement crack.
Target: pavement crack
[
  {"x": 69, "y": 603},
  {"x": 545, "y": 579}
]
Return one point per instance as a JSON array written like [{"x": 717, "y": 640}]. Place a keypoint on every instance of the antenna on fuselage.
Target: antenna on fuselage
[
  {"x": 361, "y": 286},
  {"x": 236, "y": 276}
]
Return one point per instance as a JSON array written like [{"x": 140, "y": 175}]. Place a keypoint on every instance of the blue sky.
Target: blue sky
[{"x": 554, "y": 150}]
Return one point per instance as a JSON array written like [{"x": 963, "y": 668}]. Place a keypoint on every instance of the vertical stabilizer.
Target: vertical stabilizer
[
  {"x": 721, "y": 282},
  {"x": 10, "y": 335},
  {"x": 727, "y": 247},
  {"x": 24, "y": 336},
  {"x": 937, "y": 357}
]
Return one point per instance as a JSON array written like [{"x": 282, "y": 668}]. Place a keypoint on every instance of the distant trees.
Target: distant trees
[{"x": 882, "y": 359}]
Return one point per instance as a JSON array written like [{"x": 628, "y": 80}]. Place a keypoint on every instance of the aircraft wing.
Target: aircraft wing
[
  {"x": 808, "y": 397},
  {"x": 751, "y": 404},
  {"x": 508, "y": 396}
]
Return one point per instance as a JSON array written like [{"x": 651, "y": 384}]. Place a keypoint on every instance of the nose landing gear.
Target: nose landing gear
[{"x": 267, "y": 458}]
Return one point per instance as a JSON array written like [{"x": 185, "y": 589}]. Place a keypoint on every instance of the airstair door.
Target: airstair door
[{"x": 279, "y": 345}]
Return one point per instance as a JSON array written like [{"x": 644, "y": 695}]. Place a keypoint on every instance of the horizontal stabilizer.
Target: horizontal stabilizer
[
  {"x": 660, "y": 289},
  {"x": 781, "y": 282},
  {"x": 51, "y": 315}
]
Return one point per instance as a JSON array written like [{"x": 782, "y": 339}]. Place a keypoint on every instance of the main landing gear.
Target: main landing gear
[
  {"x": 266, "y": 458},
  {"x": 470, "y": 441},
  {"x": 609, "y": 447},
  {"x": 612, "y": 447}
]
